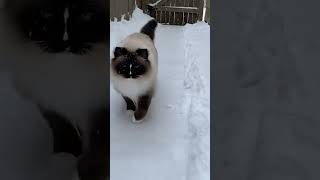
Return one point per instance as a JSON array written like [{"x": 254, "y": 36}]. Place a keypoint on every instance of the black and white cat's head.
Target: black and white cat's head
[
  {"x": 130, "y": 64},
  {"x": 136, "y": 56},
  {"x": 60, "y": 25}
]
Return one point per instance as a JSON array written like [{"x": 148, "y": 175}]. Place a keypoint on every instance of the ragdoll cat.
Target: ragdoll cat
[
  {"x": 56, "y": 50},
  {"x": 134, "y": 70}
]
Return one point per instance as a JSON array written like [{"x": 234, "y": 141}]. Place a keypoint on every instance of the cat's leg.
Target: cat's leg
[
  {"x": 94, "y": 163},
  {"x": 130, "y": 103},
  {"x": 66, "y": 137},
  {"x": 142, "y": 109}
]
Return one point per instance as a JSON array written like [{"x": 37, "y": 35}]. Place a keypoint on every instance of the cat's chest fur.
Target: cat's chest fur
[
  {"x": 70, "y": 84},
  {"x": 133, "y": 88}
]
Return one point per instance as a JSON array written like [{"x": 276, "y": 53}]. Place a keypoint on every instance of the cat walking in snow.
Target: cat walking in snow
[{"x": 134, "y": 70}]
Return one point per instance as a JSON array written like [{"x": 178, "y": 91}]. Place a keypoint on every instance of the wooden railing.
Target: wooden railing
[
  {"x": 118, "y": 8},
  {"x": 175, "y": 12}
]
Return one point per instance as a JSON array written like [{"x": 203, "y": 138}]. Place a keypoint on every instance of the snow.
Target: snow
[
  {"x": 173, "y": 141},
  {"x": 156, "y": 3}
]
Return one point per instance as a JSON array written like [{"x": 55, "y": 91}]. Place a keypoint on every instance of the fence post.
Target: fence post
[
  {"x": 142, "y": 4},
  {"x": 139, "y": 3},
  {"x": 208, "y": 11},
  {"x": 200, "y": 7}
]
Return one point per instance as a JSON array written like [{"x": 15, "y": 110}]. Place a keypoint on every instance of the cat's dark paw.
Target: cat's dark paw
[
  {"x": 93, "y": 166},
  {"x": 139, "y": 115},
  {"x": 131, "y": 107},
  {"x": 130, "y": 104}
]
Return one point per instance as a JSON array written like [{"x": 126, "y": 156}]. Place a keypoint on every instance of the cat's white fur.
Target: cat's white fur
[{"x": 133, "y": 88}]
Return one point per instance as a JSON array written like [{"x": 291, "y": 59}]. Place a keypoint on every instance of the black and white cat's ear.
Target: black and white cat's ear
[
  {"x": 143, "y": 53},
  {"x": 150, "y": 28},
  {"x": 120, "y": 51}
]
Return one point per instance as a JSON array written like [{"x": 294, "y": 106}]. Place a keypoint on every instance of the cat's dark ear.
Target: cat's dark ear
[
  {"x": 120, "y": 51},
  {"x": 150, "y": 28},
  {"x": 143, "y": 53}
]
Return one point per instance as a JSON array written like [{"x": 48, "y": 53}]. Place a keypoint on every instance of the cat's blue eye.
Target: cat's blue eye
[
  {"x": 122, "y": 70},
  {"x": 138, "y": 67}
]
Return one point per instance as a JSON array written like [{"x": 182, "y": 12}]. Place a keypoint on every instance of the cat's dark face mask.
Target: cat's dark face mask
[
  {"x": 63, "y": 25},
  {"x": 131, "y": 64}
]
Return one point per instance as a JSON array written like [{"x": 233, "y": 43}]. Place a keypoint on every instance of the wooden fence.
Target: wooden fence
[
  {"x": 208, "y": 11},
  {"x": 175, "y": 12},
  {"x": 118, "y": 8}
]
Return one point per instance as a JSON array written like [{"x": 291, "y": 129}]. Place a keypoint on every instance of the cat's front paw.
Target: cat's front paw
[
  {"x": 134, "y": 120},
  {"x": 139, "y": 116},
  {"x": 131, "y": 113}
]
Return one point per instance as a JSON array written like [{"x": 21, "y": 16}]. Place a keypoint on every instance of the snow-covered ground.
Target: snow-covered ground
[{"x": 173, "y": 142}]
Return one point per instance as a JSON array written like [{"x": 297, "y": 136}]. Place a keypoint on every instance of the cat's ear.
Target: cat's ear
[
  {"x": 143, "y": 53},
  {"x": 120, "y": 51}
]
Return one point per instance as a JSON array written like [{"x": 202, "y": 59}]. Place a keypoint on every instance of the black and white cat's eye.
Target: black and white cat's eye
[
  {"x": 143, "y": 53},
  {"x": 87, "y": 16},
  {"x": 120, "y": 51},
  {"x": 138, "y": 69}
]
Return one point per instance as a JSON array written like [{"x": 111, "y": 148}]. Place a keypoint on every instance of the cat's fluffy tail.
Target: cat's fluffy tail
[{"x": 150, "y": 28}]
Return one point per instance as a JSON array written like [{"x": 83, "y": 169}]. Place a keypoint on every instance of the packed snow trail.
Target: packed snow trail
[
  {"x": 173, "y": 141},
  {"x": 196, "y": 100}
]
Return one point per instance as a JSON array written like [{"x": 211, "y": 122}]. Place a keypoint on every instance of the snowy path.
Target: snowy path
[{"x": 171, "y": 142}]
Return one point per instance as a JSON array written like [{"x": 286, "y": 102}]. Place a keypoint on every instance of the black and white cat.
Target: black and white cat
[
  {"x": 134, "y": 70},
  {"x": 56, "y": 51}
]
